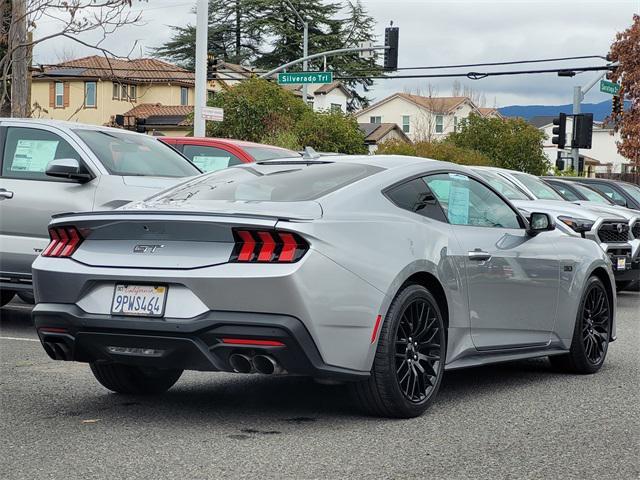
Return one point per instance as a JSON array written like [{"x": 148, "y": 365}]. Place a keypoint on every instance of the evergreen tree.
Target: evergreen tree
[{"x": 235, "y": 31}]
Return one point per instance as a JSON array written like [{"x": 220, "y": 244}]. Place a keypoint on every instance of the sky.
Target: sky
[{"x": 436, "y": 33}]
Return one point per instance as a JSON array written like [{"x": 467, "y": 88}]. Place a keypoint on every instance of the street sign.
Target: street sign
[
  {"x": 214, "y": 114},
  {"x": 609, "y": 87},
  {"x": 304, "y": 77}
]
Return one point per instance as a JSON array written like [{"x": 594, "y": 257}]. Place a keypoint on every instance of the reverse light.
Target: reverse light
[
  {"x": 267, "y": 246},
  {"x": 64, "y": 242},
  {"x": 578, "y": 225}
]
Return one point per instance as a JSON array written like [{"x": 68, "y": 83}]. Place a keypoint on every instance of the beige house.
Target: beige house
[
  {"x": 419, "y": 117},
  {"x": 378, "y": 133},
  {"x": 95, "y": 89}
]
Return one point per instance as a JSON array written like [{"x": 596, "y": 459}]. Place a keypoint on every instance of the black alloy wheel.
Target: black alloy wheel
[
  {"x": 595, "y": 324},
  {"x": 418, "y": 350}
]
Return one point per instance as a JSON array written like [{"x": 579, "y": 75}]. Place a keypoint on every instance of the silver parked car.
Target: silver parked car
[
  {"x": 51, "y": 167},
  {"x": 381, "y": 271}
]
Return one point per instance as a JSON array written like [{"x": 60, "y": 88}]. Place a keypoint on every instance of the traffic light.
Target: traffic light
[
  {"x": 582, "y": 130},
  {"x": 560, "y": 161},
  {"x": 212, "y": 66},
  {"x": 616, "y": 107},
  {"x": 560, "y": 131},
  {"x": 580, "y": 165},
  {"x": 391, "y": 53}
]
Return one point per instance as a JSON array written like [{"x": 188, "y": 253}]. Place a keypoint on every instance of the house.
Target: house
[
  {"x": 420, "y": 117},
  {"x": 603, "y": 157},
  {"x": 377, "y": 133},
  {"x": 490, "y": 112},
  {"x": 158, "y": 119},
  {"x": 94, "y": 89}
]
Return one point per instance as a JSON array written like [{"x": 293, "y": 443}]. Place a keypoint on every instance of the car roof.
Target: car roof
[
  {"x": 226, "y": 141},
  {"x": 67, "y": 125},
  {"x": 592, "y": 179}
]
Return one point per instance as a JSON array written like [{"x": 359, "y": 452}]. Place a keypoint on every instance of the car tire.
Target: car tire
[
  {"x": 590, "y": 340},
  {"x": 409, "y": 361},
  {"x": 129, "y": 379},
  {"x": 6, "y": 296}
]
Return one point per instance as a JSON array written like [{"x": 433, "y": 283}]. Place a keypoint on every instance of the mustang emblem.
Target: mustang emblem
[{"x": 147, "y": 248}]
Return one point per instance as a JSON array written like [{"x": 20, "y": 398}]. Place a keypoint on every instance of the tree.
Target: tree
[
  {"x": 330, "y": 132},
  {"x": 269, "y": 35},
  {"x": 235, "y": 31},
  {"x": 444, "y": 151},
  {"x": 509, "y": 143},
  {"x": 74, "y": 17},
  {"x": 254, "y": 110},
  {"x": 260, "y": 111},
  {"x": 626, "y": 50}
]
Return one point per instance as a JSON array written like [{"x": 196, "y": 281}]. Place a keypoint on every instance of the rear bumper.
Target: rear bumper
[{"x": 69, "y": 333}]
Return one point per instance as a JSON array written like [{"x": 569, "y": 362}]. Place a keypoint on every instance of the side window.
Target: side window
[
  {"x": 210, "y": 159},
  {"x": 28, "y": 151},
  {"x": 610, "y": 193},
  {"x": 565, "y": 192},
  {"x": 415, "y": 196},
  {"x": 468, "y": 202}
]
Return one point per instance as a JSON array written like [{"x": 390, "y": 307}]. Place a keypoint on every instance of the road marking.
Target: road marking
[{"x": 21, "y": 339}]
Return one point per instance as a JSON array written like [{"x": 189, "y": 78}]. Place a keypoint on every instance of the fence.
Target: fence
[{"x": 625, "y": 177}]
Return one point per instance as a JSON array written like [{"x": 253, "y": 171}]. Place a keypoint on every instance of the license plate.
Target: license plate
[
  {"x": 139, "y": 300},
  {"x": 621, "y": 263}
]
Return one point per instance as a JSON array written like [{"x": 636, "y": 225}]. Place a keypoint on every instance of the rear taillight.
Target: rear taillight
[
  {"x": 267, "y": 246},
  {"x": 64, "y": 241}
]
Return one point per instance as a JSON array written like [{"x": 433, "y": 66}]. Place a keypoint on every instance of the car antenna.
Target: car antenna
[{"x": 310, "y": 154}]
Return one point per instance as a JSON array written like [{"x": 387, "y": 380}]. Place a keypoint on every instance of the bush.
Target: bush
[
  {"x": 436, "y": 151},
  {"x": 330, "y": 132},
  {"x": 510, "y": 143}
]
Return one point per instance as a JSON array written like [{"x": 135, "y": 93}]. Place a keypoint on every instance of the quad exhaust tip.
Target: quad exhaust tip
[{"x": 264, "y": 364}]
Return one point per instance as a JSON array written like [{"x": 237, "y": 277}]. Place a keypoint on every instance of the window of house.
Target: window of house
[
  {"x": 90, "y": 95},
  {"x": 133, "y": 93},
  {"x": 124, "y": 93},
  {"x": 376, "y": 119},
  {"x": 406, "y": 123},
  {"x": 116, "y": 91},
  {"x": 336, "y": 107},
  {"x": 439, "y": 123},
  {"x": 184, "y": 96},
  {"x": 59, "y": 95},
  {"x": 455, "y": 123}
]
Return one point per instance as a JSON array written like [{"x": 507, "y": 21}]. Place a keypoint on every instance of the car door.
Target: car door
[
  {"x": 209, "y": 158},
  {"x": 28, "y": 197},
  {"x": 512, "y": 277}
]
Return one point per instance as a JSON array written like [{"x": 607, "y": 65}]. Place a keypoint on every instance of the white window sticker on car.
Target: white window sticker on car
[
  {"x": 33, "y": 155},
  {"x": 210, "y": 164},
  {"x": 459, "y": 200}
]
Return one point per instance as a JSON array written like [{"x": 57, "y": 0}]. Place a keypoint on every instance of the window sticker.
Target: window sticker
[
  {"x": 210, "y": 164},
  {"x": 458, "y": 210},
  {"x": 33, "y": 155}
]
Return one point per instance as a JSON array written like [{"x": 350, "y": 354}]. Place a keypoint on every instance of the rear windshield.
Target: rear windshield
[
  {"x": 274, "y": 183},
  {"x": 128, "y": 154},
  {"x": 264, "y": 153}
]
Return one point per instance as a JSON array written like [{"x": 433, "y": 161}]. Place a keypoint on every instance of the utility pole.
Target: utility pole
[
  {"x": 578, "y": 96},
  {"x": 19, "y": 60},
  {"x": 202, "y": 26},
  {"x": 305, "y": 47}
]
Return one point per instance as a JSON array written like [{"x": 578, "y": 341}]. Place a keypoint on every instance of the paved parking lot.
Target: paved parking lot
[{"x": 511, "y": 421}]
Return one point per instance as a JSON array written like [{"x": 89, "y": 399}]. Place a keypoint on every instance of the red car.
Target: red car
[{"x": 210, "y": 154}]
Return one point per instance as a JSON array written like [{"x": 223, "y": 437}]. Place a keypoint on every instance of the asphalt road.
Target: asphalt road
[{"x": 512, "y": 421}]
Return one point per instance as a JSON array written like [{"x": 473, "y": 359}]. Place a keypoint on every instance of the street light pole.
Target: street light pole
[
  {"x": 305, "y": 46},
  {"x": 202, "y": 25}
]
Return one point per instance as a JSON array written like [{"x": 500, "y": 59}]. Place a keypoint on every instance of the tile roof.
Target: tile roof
[
  {"x": 155, "y": 113},
  {"x": 486, "y": 111},
  {"x": 145, "y": 70}
]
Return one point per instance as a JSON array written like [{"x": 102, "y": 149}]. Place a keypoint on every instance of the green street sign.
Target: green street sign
[
  {"x": 609, "y": 87},
  {"x": 305, "y": 77}
]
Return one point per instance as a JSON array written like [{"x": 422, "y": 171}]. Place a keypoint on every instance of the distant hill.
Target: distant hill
[{"x": 600, "y": 110}]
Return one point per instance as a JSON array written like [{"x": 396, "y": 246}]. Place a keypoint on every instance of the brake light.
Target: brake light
[
  {"x": 267, "y": 246},
  {"x": 64, "y": 242}
]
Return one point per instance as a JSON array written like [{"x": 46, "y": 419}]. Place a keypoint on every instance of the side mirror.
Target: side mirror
[
  {"x": 67, "y": 168},
  {"x": 540, "y": 222}
]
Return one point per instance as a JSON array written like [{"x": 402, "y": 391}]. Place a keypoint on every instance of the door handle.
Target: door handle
[
  {"x": 4, "y": 193},
  {"x": 479, "y": 255}
]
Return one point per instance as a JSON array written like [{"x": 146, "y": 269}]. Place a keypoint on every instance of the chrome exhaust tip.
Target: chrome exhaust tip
[
  {"x": 241, "y": 363},
  {"x": 267, "y": 365}
]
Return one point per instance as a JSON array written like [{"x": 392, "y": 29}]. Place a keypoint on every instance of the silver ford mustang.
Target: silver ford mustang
[{"x": 380, "y": 271}]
